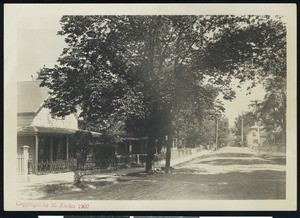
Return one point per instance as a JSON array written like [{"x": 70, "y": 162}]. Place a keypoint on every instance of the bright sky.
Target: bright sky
[
  {"x": 39, "y": 45},
  {"x": 241, "y": 102}
]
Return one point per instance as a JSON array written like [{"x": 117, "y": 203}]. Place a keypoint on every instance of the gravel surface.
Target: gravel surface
[{"x": 229, "y": 173}]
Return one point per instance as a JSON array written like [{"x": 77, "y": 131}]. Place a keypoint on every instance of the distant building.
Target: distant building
[{"x": 256, "y": 135}]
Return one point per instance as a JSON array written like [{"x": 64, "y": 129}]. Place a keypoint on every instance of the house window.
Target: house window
[
  {"x": 255, "y": 141},
  {"x": 44, "y": 149},
  {"x": 59, "y": 148}
]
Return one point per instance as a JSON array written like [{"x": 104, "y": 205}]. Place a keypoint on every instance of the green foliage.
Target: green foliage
[
  {"x": 159, "y": 75},
  {"x": 82, "y": 145},
  {"x": 272, "y": 109},
  {"x": 254, "y": 52},
  {"x": 208, "y": 132},
  {"x": 133, "y": 69},
  {"x": 224, "y": 132},
  {"x": 266, "y": 64}
]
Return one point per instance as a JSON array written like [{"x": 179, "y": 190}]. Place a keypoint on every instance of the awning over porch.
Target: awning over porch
[
  {"x": 36, "y": 130},
  {"x": 133, "y": 139}
]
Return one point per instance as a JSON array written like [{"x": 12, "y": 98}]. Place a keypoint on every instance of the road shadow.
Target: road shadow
[
  {"x": 226, "y": 162},
  {"x": 254, "y": 185},
  {"x": 230, "y": 155},
  {"x": 280, "y": 160},
  {"x": 255, "y": 172},
  {"x": 137, "y": 174},
  {"x": 232, "y": 159}
]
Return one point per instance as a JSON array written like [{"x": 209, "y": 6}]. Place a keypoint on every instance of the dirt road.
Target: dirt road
[{"x": 229, "y": 173}]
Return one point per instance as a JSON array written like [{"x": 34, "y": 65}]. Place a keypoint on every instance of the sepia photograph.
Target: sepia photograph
[{"x": 150, "y": 107}]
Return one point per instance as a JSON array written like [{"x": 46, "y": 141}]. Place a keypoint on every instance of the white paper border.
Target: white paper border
[{"x": 14, "y": 12}]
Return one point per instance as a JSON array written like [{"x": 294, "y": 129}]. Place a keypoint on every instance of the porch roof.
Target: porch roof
[
  {"x": 36, "y": 130},
  {"x": 133, "y": 139}
]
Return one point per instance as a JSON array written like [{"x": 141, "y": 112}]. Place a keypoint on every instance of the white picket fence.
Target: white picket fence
[{"x": 22, "y": 164}]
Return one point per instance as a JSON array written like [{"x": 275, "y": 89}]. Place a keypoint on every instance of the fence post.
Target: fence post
[{"x": 26, "y": 160}]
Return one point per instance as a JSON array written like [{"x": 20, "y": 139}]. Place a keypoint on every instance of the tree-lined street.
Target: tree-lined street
[
  {"x": 166, "y": 77},
  {"x": 229, "y": 173},
  {"x": 160, "y": 83}
]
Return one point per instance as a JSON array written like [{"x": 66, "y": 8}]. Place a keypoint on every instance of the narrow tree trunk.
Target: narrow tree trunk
[
  {"x": 168, "y": 155},
  {"x": 150, "y": 155}
]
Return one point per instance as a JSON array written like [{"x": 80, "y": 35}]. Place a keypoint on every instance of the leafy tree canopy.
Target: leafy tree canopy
[
  {"x": 150, "y": 71},
  {"x": 272, "y": 109}
]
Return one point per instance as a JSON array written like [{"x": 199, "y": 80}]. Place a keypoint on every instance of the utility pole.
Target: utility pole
[
  {"x": 258, "y": 127},
  {"x": 242, "y": 130},
  {"x": 258, "y": 138},
  {"x": 217, "y": 130},
  {"x": 168, "y": 154}
]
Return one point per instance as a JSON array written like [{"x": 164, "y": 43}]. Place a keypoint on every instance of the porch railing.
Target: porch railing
[
  {"x": 60, "y": 166},
  {"x": 45, "y": 167}
]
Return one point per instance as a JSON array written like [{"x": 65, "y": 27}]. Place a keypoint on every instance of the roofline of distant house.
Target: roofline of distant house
[
  {"x": 134, "y": 138},
  {"x": 29, "y": 81},
  {"x": 35, "y": 113},
  {"x": 41, "y": 105},
  {"x": 38, "y": 130},
  {"x": 26, "y": 113}
]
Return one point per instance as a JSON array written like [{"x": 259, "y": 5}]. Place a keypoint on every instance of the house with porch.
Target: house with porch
[
  {"x": 45, "y": 137},
  {"x": 43, "y": 140}
]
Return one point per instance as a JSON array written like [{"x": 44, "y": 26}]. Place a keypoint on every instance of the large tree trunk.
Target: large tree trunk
[{"x": 168, "y": 155}]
